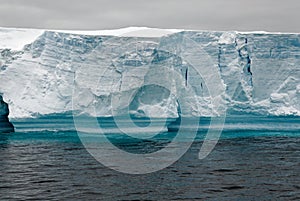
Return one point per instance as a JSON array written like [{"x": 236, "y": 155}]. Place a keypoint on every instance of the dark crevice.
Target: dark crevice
[
  {"x": 219, "y": 57},
  {"x": 249, "y": 65},
  {"x": 245, "y": 60},
  {"x": 186, "y": 76},
  {"x": 121, "y": 82}
]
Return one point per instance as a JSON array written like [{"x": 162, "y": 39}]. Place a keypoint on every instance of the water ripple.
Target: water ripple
[{"x": 55, "y": 166}]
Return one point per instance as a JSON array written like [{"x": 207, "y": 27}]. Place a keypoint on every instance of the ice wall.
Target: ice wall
[{"x": 258, "y": 73}]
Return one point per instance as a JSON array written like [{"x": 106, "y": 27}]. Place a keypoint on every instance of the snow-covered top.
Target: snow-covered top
[
  {"x": 129, "y": 31},
  {"x": 16, "y": 38}
]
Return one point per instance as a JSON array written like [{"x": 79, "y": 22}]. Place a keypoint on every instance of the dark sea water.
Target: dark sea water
[{"x": 250, "y": 163}]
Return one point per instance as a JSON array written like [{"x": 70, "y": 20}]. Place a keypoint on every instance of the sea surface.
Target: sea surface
[{"x": 255, "y": 159}]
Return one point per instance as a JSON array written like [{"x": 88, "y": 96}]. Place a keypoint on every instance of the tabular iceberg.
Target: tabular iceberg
[{"x": 191, "y": 73}]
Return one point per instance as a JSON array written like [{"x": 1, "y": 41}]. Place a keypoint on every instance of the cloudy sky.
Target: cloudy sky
[{"x": 243, "y": 15}]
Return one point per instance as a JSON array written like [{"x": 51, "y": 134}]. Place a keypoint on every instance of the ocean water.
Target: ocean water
[{"x": 255, "y": 159}]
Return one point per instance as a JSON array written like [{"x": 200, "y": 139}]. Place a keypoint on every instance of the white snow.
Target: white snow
[
  {"x": 17, "y": 38},
  {"x": 129, "y": 31},
  {"x": 227, "y": 38}
]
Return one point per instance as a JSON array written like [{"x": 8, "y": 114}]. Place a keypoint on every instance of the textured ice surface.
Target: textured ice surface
[{"x": 105, "y": 73}]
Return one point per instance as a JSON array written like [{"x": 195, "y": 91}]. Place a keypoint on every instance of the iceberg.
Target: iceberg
[
  {"x": 148, "y": 72},
  {"x": 5, "y": 125}
]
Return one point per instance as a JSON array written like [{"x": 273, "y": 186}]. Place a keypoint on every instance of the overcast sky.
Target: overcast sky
[{"x": 243, "y": 15}]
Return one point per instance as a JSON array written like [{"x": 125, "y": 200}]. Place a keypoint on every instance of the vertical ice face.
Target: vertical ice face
[
  {"x": 109, "y": 75},
  {"x": 275, "y": 58},
  {"x": 276, "y": 71},
  {"x": 5, "y": 125}
]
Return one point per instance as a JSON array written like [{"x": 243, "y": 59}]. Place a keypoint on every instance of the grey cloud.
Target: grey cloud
[{"x": 269, "y": 15}]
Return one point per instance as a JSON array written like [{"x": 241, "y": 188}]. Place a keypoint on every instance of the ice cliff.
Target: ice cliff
[{"x": 104, "y": 74}]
